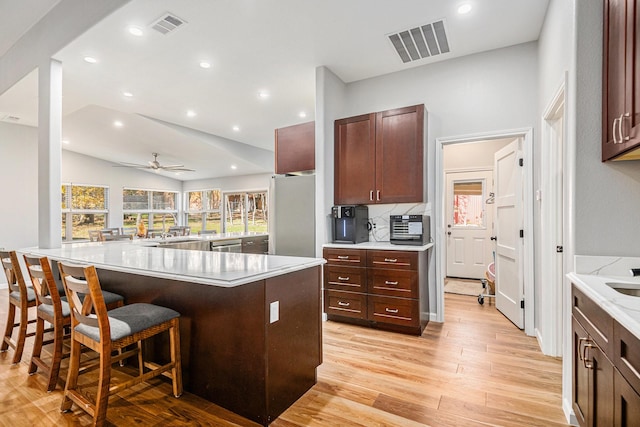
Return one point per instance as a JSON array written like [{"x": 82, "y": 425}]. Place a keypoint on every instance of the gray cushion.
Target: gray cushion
[
  {"x": 48, "y": 309},
  {"x": 130, "y": 319},
  {"x": 109, "y": 297},
  {"x": 31, "y": 295}
]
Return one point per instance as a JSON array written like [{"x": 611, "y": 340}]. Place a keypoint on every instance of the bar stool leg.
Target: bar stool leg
[
  {"x": 102, "y": 397},
  {"x": 8, "y": 330},
  {"x": 37, "y": 345},
  {"x": 56, "y": 359},
  {"x": 22, "y": 335},
  {"x": 72, "y": 376},
  {"x": 176, "y": 371}
]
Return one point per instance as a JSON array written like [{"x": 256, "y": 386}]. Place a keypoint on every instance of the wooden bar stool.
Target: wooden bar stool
[
  {"x": 105, "y": 332},
  {"x": 53, "y": 308},
  {"x": 20, "y": 296}
]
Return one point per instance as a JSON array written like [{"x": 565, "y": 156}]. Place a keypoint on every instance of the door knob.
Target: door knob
[
  {"x": 494, "y": 237},
  {"x": 449, "y": 233}
]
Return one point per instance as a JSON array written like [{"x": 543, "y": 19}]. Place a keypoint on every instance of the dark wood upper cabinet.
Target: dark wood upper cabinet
[
  {"x": 621, "y": 81},
  {"x": 355, "y": 160},
  {"x": 379, "y": 157},
  {"x": 295, "y": 148}
]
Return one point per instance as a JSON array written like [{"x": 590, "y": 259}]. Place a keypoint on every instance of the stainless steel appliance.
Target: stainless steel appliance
[
  {"x": 350, "y": 224},
  {"x": 409, "y": 229},
  {"x": 292, "y": 226}
]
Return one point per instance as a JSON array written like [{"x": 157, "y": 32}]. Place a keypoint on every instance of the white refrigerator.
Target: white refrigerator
[{"x": 292, "y": 215}]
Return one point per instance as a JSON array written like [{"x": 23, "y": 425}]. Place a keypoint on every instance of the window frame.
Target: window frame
[
  {"x": 150, "y": 211},
  {"x": 67, "y": 212}
]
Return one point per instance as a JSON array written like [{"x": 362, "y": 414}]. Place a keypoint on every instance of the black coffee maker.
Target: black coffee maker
[{"x": 349, "y": 224}]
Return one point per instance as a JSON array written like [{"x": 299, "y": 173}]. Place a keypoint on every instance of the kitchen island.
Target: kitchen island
[{"x": 250, "y": 324}]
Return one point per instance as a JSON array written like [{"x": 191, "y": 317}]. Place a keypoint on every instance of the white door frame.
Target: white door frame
[
  {"x": 439, "y": 217},
  {"x": 549, "y": 330}
]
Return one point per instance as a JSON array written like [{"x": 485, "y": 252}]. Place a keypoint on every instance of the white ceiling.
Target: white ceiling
[{"x": 252, "y": 45}]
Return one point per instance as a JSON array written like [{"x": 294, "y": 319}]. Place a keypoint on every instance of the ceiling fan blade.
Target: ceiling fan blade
[
  {"x": 129, "y": 165},
  {"x": 178, "y": 169}
]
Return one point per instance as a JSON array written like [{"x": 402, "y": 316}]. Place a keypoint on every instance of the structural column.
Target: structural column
[{"x": 49, "y": 154}]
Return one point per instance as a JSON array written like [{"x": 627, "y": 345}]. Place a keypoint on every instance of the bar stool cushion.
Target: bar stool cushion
[
  {"x": 31, "y": 295},
  {"x": 130, "y": 319}
]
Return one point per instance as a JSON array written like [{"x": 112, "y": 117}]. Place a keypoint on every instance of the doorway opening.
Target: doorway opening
[{"x": 468, "y": 241}]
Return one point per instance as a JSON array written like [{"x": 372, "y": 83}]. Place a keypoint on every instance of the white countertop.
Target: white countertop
[
  {"x": 193, "y": 237},
  {"x": 591, "y": 276},
  {"x": 382, "y": 245},
  {"x": 215, "y": 268}
]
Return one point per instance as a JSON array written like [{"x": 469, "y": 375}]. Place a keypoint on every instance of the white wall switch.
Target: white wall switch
[{"x": 274, "y": 311}]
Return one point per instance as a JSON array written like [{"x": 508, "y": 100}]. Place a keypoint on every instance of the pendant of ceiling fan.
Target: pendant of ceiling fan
[{"x": 155, "y": 165}]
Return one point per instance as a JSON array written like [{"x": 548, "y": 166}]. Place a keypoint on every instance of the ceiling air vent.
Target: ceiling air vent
[
  {"x": 420, "y": 42},
  {"x": 167, "y": 23}
]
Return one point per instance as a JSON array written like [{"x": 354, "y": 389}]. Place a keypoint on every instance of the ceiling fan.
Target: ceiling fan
[{"x": 155, "y": 165}]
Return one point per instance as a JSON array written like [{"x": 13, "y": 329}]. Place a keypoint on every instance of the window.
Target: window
[
  {"x": 157, "y": 210},
  {"x": 246, "y": 212},
  {"x": 84, "y": 208},
  {"x": 468, "y": 205},
  {"x": 203, "y": 210}
]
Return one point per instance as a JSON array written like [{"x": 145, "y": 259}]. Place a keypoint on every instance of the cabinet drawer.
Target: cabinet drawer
[
  {"x": 351, "y": 279},
  {"x": 393, "y": 259},
  {"x": 398, "y": 311},
  {"x": 255, "y": 245},
  {"x": 393, "y": 283},
  {"x": 597, "y": 323},
  {"x": 352, "y": 257},
  {"x": 347, "y": 304},
  {"x": 626, "y": 355}
]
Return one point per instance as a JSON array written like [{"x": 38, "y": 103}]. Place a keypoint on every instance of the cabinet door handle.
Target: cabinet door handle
[
  {"x": 344, "y": 304},
  {"x": 388, "y": 282},
  {"x": 613, "y": 131},
  {"x": 579, "y": 349},
  {"x": 620, "y": 129},
  {"x": 620, "y": 134},
  {"x": 378, "y": 195},
  {"x": 390, "y": 260},
  {"x": 585, "y": 361},
  {"x": 344, "y": 279},
  {"x": 391, "y": 310},
  {"x": 371, "y": 195},
  {"x": 343, "y": 256}
]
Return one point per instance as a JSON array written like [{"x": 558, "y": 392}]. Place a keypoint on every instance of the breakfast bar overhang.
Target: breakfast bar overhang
[{"x": 251, "y": 336}]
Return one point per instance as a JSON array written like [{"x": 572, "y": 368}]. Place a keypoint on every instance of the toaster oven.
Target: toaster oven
[{"x": 409, "y": 229}]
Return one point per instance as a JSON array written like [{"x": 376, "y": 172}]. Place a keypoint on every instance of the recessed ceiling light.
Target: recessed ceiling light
[
  {"x": 236, "y": 128},
  {"x": 127, "y": 94},
  {"x": 118, "y": 124},
  {"x": 234, "y": 167},
  {"x": 90, "y": 59},
  {"x": 191, "y": 113},
  {"x": 205, "y": 64},
  {"x": 464, "y": 8},
  {"x": 263, "y": 94},
  {"x": 302, "y": 114},
  {"x": 136, "y": 31}
]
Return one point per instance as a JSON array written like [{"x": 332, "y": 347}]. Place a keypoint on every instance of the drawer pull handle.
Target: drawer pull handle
[
  {"x": 343, "y": 256},
  {"x": 586, "y": 362},
  {"x": 249, "y": 242},
  {"x": 387, "y": 282},
  {"x": 391, "y": 310},
  {"x": 344, "y": 304},
  {"x": 344, "y": 279},
  {"x": 390, "y": 260}
]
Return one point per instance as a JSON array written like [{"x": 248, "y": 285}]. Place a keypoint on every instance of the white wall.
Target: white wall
[
  {"x": 556, "y": 50},
  {"x": 473, "y": 154},
  {"x": 19, "y": 190},
  {"x": 487, "y": 92}
]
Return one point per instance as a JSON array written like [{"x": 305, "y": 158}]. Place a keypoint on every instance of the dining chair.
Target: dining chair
[
  {"x": 54, "y": 309},
  {"x": 22, "y": 297},
  {"x": 92, "y": 326}
]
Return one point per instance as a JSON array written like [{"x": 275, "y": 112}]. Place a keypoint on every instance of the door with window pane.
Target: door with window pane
[{"x": 469, "y": 223}]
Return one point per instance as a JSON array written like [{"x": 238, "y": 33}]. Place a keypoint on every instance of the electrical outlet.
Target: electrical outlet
[{"x": 274, "y": 311}]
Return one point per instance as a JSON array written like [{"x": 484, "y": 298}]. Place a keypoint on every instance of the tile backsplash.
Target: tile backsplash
[{"x": 379, "y": 217}]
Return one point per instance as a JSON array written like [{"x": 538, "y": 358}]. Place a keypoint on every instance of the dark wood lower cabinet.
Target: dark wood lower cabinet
[
  {"x": 605, "y": 384},
  {"x": 386, "y": 289}
]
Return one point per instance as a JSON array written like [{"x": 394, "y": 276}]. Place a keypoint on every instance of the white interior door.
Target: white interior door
[
  {"x": 509, "y": 221},
  {"x": 469, "y": 223}
]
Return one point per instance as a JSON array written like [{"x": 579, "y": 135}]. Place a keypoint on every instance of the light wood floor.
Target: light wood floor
[{"x": 476, "y": 369}]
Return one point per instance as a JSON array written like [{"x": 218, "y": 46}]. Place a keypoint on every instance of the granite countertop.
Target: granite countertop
[
  {"x": 591, "y": 276},
  {"x": 381, "y": 245},
  {"x": 225, "y": 269}
]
